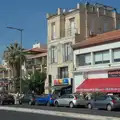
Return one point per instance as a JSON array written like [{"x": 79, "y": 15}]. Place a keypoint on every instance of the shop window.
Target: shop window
[
  {"x": 102, "y": 57},
  {"x": 116, "y": 54},
  {"x": 83, "y": 59}
]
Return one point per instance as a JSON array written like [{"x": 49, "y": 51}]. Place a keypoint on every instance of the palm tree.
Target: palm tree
[{"x": 13, "y": 55}]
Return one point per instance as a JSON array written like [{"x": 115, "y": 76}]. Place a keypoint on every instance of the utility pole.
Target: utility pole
[{"x": 20, "y": 30}]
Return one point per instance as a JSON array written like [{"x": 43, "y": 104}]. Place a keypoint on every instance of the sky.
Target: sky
[{"x": 30, "y": 15}]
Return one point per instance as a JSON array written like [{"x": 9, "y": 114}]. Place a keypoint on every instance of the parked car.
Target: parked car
[
  {"x": 6, "y": 99},
  {"x": 45, "y": 99},
  {"x": 104, "y": 102},
  {"x": 70, "y": 100},
  {"x": 27, "y": 98}
]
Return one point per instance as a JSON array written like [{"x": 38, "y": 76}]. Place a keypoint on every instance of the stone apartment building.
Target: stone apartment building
[{"x": 67, "y": 27}]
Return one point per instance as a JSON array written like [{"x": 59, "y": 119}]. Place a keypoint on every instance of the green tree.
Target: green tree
[
  {"x": 37, "y": 81},
  {"x": 13, "y": 55}
]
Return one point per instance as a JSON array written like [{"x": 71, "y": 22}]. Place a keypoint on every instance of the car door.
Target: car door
[
  {"x": 25, "y": 99},
  {"x": 96, "y": 101},
  {"x": 68, "y": 98},
  {"x": 100, "y": 101},
  {"x": 81, "y": 100},
  {"x": 41, "y": 99},
  {"x": 45, "y": 98},
  {"x": 61, "y": 100}
]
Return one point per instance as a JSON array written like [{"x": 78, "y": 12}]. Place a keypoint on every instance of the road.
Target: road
[
  {"x": 115, "y": 113},
  {"x": 8, "y": 115}
]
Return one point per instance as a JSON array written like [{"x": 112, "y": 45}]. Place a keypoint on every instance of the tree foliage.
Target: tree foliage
[
  {"x": 36, "y": 82},
  {"x": 13, "y": 55}
]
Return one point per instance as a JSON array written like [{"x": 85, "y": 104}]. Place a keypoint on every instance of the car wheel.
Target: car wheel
[
  {"x": 109, "y": 107},
  {"x": 89, "y": 106},
  {"x": 71, "y": 105},
  {"x": 56, "y": 104}
]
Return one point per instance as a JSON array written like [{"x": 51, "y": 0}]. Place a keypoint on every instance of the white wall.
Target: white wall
[
  {"x": 97, "y": 48},
  {"x": 78, "y": 79},
  {"x": 98, "y": 74},
  {"x": 93, "y": 67}
]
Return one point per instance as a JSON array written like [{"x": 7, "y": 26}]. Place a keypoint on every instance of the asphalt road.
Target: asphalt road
[
  {"x": 115, "y": 113},
  {"x": 8, "y": 115}
]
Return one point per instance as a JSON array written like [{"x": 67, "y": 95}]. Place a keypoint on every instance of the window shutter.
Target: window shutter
[
  {"x": 70, "y": 52},
  {"x": 55, "y": 51},
  {"x": 63, "y": 52},
  {"x": 49, "y": 56}
]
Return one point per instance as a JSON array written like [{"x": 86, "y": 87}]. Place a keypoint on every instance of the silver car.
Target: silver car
[
  {"x": 104, "y": 102},
  {"x": 70, "y": 100}
]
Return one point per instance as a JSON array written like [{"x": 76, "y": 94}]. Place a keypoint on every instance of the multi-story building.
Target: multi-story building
[
  {"x": 97, "y": 64},
  {"x": 36, "y": 59},
  {"x": 67, "y": 27}
]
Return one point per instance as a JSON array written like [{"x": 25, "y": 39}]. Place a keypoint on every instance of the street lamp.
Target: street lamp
[{"x": 21, "y": 30}]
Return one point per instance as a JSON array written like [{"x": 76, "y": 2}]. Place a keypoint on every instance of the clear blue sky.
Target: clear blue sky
[{"x": 31, "y": 16}]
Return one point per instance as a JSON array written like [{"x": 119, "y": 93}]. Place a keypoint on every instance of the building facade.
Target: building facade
[
  {"x": 66, "y": 28},
  {"x": 97, "y": 62},
  {"x": 36, "y": 59}
]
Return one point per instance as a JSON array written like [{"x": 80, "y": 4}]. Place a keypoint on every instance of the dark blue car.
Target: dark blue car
[{"x": 45, "y": 99}]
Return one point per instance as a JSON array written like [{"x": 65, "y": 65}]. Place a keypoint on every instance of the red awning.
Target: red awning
[{"x": 100, "y": 85}]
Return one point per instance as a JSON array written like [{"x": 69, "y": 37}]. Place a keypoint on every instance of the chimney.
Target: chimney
[
  {"x": 47, "y": 15},
  {"x": 64, "y": 10},
  {"x": 59, "y": 11},
  {"x": 78, "y": 5}
]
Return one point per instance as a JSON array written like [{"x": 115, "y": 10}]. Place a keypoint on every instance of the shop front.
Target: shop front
[
  {"x": 62, "y": 86},
  {"x": 105, "y": 81}
]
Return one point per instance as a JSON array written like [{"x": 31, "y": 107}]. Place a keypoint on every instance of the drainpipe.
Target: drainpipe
[{"x": 86, "y": 19}]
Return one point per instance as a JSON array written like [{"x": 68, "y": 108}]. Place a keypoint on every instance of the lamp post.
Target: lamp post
[{"x": 20, "y": 30}]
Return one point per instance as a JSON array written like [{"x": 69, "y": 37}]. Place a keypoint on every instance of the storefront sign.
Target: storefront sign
[
  {"x": 65, "y": 81},
  {"x": 115, "y": 73}
]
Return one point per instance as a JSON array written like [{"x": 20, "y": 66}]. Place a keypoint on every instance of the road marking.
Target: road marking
[{"x": 61, "y": 114}]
